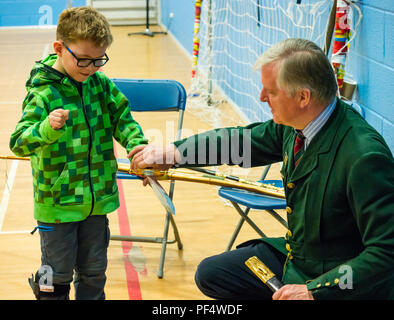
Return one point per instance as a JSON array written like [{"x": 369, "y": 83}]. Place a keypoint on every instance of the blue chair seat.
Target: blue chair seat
[{"x": 252, "y": 199}]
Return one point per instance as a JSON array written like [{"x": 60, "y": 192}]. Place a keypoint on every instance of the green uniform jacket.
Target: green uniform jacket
[
  {"x": 340, "y": 201},
  {"x": 74, "y": 168}
]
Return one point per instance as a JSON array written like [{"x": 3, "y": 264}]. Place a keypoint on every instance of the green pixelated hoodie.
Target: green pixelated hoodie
[{"x": 74, "y": 168}]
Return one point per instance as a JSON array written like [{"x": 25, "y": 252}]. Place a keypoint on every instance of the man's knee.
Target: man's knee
[
  {"x": 208, "y": 279},
  {"x": 205, "y": 272}
]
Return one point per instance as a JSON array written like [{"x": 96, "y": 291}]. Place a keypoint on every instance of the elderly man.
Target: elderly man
[{"x": 338, "y": 175}]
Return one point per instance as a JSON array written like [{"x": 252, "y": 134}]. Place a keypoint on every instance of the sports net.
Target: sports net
[{"x": 228, "y": 40}]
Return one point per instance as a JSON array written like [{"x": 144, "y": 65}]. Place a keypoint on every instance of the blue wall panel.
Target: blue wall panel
[
  {"x": 388, "y": 133},
  {"x": 370, "y": 35},
  {"x": 181, "y": 25},
  {"x": 389, "y": 39},
  {"x": 33, "y": 12},
  {"x": 371, "y": 63}
]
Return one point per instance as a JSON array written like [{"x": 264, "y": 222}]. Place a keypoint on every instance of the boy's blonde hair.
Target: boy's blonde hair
[{"x": 84, "y": 23}]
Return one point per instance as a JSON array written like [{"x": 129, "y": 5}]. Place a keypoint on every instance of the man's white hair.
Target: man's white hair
[{"x": 301, "y": 64}]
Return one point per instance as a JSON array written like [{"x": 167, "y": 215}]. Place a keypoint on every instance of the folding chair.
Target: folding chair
[
  {"x": 255, "y": 201},
  {"x": 154, "y": 95}
]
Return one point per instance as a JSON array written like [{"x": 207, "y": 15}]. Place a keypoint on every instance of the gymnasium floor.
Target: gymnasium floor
[{"x": 204, "y": 221}]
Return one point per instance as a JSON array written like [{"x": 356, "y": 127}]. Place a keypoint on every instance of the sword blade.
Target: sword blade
[{"x": 162, "y": 195}]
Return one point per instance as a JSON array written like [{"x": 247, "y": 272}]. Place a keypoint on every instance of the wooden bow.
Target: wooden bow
[
  {"x": 207, "y": 177},
  {"x": 218, "y": 180}
]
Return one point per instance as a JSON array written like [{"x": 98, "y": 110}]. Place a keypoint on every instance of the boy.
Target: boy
[{"x": 70, "y": 114}]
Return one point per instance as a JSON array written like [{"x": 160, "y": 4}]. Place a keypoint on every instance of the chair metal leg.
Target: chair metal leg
[
  {"x": 176, "y": 233},
  {"x": 169, "y": 219},
  {"x": 236, "y": 231},
  {"x": 140, "y": 239},
  {"x": 248, "y": 220},
  {"x": 164, "y": 246},
  {"x": 171, "y": 195},
  {"x": 282, "y": 221},
  {"x": 244, "y": 217}
]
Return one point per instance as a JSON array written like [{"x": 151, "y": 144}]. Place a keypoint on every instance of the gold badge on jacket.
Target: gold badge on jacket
[{"x": 286, "y": 158}]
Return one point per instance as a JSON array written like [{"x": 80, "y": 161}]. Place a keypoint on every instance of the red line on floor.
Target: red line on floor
[{"x": 133, "y": 283}]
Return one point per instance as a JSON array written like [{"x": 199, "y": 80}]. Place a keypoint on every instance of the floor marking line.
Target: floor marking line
[
  {"x": 12, "y": 173},
  {"x": 7, "y": 191},
  {"x": 133, "y": 283},
  {"x": 15, "y": 232}
]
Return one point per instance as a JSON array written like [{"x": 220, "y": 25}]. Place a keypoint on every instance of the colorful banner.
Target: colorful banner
[
  {"x": 196, "y": 39},
  {"x": 341, "y": 38}
]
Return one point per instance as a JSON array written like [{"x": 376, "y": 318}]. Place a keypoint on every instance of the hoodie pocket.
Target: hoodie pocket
[{"x": 67, "y": 191}]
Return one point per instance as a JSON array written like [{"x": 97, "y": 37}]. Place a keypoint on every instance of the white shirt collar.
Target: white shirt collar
[{"x": 316, "y": 124}]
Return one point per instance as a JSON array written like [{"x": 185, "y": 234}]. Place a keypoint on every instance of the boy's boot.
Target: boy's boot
[{"x": 46, "y": 292}]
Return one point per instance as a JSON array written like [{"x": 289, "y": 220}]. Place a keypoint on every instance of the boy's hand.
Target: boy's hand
[{"x": 57, "y": 118}]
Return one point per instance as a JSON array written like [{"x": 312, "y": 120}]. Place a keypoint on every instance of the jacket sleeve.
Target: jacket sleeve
[
  {"x": 126, "y": 130},
  {"x": 370, "y": 192},
  {"x": 33, "y": 130},
  {"x": 254, "y": 145}
]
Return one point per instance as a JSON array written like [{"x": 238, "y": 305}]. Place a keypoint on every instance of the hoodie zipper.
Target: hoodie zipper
[
  {"x": 63, "y": 77},
  {"x": 89, "y": 150}
]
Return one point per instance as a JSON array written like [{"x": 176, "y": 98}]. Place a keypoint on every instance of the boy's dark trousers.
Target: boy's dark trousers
[{"x": 80, "y": 246}]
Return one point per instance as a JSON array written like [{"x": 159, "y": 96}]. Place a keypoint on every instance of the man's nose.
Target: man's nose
[{"x": 263, "y": 96}]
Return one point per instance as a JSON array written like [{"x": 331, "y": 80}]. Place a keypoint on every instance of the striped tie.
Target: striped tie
[{"x": 298, "y": 148}]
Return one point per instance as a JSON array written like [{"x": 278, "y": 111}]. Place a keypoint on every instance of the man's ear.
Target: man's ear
[
  {"x": 304, "y": 97},
  {"x": 58, "y": 46}
]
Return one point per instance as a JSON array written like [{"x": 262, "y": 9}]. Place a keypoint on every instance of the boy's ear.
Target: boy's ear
[{"x": 58, "y": 46}]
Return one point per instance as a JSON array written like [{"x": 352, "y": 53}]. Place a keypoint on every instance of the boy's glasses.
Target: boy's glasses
[{"x": 85, "y": 62}]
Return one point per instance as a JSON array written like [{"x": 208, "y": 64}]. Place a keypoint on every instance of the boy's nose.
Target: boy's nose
[{"x": 92, "y": 68}]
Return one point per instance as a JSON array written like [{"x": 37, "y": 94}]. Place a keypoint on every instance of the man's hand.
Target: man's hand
[
  {"x": 57, "y": 118},
  {"x": 150, "y": 156},
  {"x": 293, "y": 292}
]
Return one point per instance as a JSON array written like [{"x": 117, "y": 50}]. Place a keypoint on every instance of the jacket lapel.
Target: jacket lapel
[{"x": 320, "y": 144}]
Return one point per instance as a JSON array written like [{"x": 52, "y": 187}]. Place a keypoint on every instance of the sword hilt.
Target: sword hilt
[{"x": 264, "y": 273}]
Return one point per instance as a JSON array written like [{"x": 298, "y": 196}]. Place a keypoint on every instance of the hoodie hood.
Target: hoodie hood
[{"x": 43, "y": 73}]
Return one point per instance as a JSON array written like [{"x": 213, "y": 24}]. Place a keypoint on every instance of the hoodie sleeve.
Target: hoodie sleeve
[
  {"x": 33, "y": 130},
  {"x": 127, "y": 131}
]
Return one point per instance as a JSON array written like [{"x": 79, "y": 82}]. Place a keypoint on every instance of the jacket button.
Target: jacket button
[
  {"x": 291, "y": 185},
  {"x": 289, "y": 210},
  {"x": 327, "y": 284},
  {"x": 288, "y": 247},
  {"x": 336, "y": 281},
  {"x": 289, "y": 233}
]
